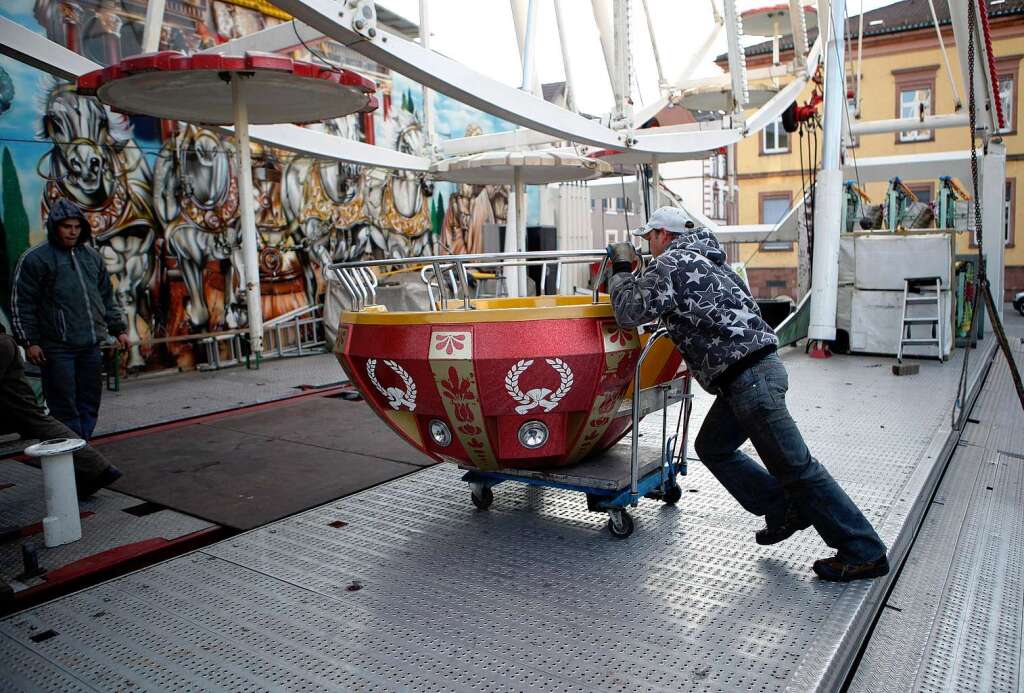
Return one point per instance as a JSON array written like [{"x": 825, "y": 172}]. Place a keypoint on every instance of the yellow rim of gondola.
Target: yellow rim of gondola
[{"x": 488, "y": 310}]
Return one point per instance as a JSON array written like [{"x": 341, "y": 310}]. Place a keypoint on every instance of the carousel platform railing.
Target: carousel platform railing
[{"x": 299, "y": 332}]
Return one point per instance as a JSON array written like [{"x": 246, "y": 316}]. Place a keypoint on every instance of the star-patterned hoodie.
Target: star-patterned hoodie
[{"x": 708, "y": 310}]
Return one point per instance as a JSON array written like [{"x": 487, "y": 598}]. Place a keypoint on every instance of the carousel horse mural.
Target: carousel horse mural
[
  {"x": 398, "y": 201},
  {"x": 282, "y": 258},
  {"x": 196, "y": 196},
  {"x": 95, "y": 163},
  {"x": 324, "y": 205}
]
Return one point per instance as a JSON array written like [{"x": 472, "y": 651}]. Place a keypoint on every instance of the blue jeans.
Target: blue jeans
[
  {"x": 754, "y": 406},
  {"x": 73, "y": 384}
]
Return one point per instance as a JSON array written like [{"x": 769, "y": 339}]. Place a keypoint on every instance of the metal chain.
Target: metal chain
[{"x": 981, "y": 277}]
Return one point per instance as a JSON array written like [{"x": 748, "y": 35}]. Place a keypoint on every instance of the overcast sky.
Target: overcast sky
[{"x": 481, "y": 34}]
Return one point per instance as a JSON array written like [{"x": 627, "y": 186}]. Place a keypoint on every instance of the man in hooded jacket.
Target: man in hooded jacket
[
  {"x": 716, "y": 324},
  {"x": 63, "y": 309}
]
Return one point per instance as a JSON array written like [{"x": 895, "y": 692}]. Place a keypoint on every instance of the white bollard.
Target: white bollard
[{"x": 62, "y": 524}]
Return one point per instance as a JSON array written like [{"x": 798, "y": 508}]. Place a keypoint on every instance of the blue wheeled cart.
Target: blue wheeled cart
[{"x": 617, "y": 478}]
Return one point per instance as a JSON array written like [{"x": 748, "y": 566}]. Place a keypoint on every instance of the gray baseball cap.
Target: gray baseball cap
[{"x": 672, "y": 219}]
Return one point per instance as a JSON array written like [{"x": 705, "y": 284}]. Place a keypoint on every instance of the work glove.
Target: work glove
[{"x": 622, "y": 256}]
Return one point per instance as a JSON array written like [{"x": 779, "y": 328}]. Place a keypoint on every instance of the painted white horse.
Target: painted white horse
[
  {"x": 397, "y": 201},
  {"x": 95, "y": 163},
  {"x": 325, "y": 207},
  {"x": 196, "y": 196}
]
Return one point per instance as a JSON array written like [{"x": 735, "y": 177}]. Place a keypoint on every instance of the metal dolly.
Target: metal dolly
[{"x": 617, "y": 478}]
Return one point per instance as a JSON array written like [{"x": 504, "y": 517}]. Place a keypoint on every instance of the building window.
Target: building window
[
  {"x": 774, "y": 139},
  {"x": 915, "y": 102},
  {"x": 1007, "y": 69},
  {"x": 773, "y": 207},
  {"x": 914, "y": 99},
  {"x": 925, "y": 192},
  {"x": 1006, "y": 92}
]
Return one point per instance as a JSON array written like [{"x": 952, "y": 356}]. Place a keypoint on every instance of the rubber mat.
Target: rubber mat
[{"x": 246, "y": 470}]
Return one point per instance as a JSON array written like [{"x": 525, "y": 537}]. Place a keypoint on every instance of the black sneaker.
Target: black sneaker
[
  {"x": 792, "y": 522},
  {"x": 837, "y": 570},
  {"x": 105, "y": 478}
]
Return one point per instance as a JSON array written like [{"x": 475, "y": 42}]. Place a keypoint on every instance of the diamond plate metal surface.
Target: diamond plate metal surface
[
  {"x": 108, "y": 527},
  {"x": 955, "y": 616},
  {"x": 407, "y": 587}
]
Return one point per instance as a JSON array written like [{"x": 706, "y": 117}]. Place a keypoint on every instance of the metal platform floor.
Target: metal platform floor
[
  {"x": 954, "y": 619},
  {"x": 407, "y": 586},
  {"x": 111, "y": 523}
]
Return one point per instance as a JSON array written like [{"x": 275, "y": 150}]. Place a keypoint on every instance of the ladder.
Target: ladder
[{"x": 925, "y": 291}]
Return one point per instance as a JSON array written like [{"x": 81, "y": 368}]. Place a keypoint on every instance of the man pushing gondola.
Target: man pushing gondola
[{"x": 715, "y": 323}]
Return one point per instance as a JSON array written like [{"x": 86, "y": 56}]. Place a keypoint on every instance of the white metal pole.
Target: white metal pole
[
  {"x": 248, "y": 215},
  {"x": 623, "y": 62},
  {"x": 993, "y": 208},
  {"x": 654, "y": 46},
  {"x": 603, "y": 18},
  {"x": 570, "y": 86},
  {"x": 929, "y": 122},
  {"x": 798, "y": 27},
  {"x": 957, "y": 104},
  {"x": 984, "y": 90},
  {"x": 511, "y": 232},
  {"x": 520, "y": 195},
  {"x": 656, "y": 184},
  {"x": 520, "y": 20},
  {"x": 153, "y": 26},
  {"x": 62, "y": 524},
  {"x": 860, "y": 57},
  {"x": 828, "y": 194},
  {"x": 531, "y": 24},
  {"x": 428, "y": 111},
  {"x": 737, "y": 57}
]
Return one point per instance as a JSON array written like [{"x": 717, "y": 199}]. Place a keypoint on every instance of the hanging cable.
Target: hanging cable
[{"x": 330, "y": 66}]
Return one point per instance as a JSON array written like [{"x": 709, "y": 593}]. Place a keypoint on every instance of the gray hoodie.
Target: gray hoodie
[
  {"x": 63, "y": 297},
  {"x": 707, "y": 309}
]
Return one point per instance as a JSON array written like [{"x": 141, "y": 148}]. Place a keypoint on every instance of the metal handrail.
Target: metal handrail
[
  {"x": 361, "y": 283},
  {"x": 634, "y": 463}
]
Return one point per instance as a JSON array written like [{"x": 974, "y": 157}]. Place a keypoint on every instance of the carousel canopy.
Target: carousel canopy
[
  {"x": 773, "y": 20},
  {"x": 536, "y": 168},
  {"x": 630, "y": 157},
  {"x": 196, "y": 89},
  {"x": 719, "y": 98}
]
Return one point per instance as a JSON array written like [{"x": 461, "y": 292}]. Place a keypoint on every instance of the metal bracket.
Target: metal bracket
[{"x": 364, "y": 19}]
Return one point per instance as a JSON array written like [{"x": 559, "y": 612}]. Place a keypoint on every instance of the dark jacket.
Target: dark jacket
[
  {"x": 708, "y": 310},
  {"x": 63, "y": 297}
]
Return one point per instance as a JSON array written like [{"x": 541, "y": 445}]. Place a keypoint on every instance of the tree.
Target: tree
[{"x": 15, "y": 224}]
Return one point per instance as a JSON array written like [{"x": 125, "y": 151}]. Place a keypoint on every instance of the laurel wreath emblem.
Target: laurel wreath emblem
[
  {"x": 538, "y": 397},
  {"x": 397, "y": 397}
]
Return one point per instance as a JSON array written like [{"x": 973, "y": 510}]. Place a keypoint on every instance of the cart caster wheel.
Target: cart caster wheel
[
  {"x": 484, "y": 499},
  {"x": 620, "y": 523},
  {"x": 673, "y": 495}
]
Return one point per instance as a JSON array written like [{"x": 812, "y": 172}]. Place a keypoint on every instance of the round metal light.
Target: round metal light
[
  {"x": 533, "y": 434},
  {"x": 440, "y": 432}
]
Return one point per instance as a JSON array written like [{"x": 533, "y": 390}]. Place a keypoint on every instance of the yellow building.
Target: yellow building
[{"x": 902, "y": 72}]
